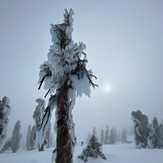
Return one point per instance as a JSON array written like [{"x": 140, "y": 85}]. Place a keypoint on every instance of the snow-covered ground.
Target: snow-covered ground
[{"x": 119, "y": 153}]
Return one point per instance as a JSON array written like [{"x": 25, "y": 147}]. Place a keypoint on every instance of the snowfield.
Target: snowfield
[{"x": 119, "y": 153}]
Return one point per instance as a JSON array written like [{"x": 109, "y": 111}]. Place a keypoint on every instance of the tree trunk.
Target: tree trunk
[
  {"x": 64, "y": 142},
  {"x": 41, "y": 148}
]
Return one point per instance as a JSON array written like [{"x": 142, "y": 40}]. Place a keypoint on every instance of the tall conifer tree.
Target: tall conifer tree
[
  {"x": 65, "y": 76},
  {"x": 154, "y": 138},
  {"x": 16, "y": 136},
  {"x": 141, "y": 128}
]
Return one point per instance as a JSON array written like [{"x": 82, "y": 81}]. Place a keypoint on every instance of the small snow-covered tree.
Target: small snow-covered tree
[
  {"x": 141, "y": 128},
  {"x": 93, "y": 149},
  {"x": 5, "y": 110},
  {"x": 112, "y": 136},
  {"x": 102, "y": 136},
  {"x": 37, "y": 116},
  {"x": 7, "y": 145},
  {"x": 94, "y": 131},
  {"x": 66, "y": 77},
  {"x": 106, "y": 135},
  {"x": 124, "y": 135},
  {"x": 115, "y": 133},
  {"x": 16, "y": 136},
  {"x": 28, "y": 138},
  {"x": 154, "y": 138},
  {"x": 32, "y": 138}
]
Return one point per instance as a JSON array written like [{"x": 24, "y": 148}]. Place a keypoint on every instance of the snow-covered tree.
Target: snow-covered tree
[
  {"x": 154, "y": 138},
  {"x": 115, "y": 133},
  {"x": 5, "y": 110},
  {"x": 93, "y": 149},
  {"x": 106, "y": 135},
  {"x": 102, "y": 136},
  {"x": 124, "y": 135},
  {"x": 38, "y": 115},
  {"x": 48, "y": 136},
  {"x": 32, "y": 138},
  {"x": 141, "y": 128},
  {"x": 7, "y": 145},
  {"x": 65, "y": 76},
  {"x": 161, "y": 130},
  {"x": 118, "y": 135},
  {"x": 112, "y": 136},
  {"x": 94, "y": 131},
  {"x": 16, "y": 136},
  {"x": 28, "y": 138}
]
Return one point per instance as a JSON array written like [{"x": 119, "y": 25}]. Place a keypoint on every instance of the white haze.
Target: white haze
[{"x": 124, "y": 48}]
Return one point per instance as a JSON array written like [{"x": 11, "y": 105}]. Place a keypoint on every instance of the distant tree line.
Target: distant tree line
[
  {"x": 147, "y": 135},
  {"x": 110, "y": 137},
  {"x": 94, "y": 144}
]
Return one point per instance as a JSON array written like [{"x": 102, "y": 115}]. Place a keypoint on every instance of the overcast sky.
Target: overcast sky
[{"x": 124, "y": 49}]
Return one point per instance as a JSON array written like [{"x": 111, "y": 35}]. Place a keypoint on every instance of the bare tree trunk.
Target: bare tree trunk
[
  {"x": 64, "y": 142},
  {"x": 41, "y": 148}
]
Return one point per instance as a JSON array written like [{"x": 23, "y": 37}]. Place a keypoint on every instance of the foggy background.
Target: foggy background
[{"x": 124, "y": 49}]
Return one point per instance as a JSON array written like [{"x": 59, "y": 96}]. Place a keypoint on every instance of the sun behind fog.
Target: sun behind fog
[{"x": 107, "y": 88}]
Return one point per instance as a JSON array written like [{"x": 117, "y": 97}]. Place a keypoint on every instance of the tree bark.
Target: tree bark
[{"x": 64, "y": 142}]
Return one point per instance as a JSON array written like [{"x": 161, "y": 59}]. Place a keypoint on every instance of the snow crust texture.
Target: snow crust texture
[{"x": 118, "y": 153}]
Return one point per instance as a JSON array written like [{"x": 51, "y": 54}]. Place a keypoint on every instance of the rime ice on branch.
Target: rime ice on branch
[{"x": 65, "y": 75}]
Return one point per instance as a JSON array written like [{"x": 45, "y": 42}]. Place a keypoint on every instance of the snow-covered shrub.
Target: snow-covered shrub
[
  {"x": 155, "y": 137},
  {"x": 16, "y": 136},
  {"x": 5, "y": 110},
  {"x": 93, "y": 149},
  {"x": 141, "y": 128}
]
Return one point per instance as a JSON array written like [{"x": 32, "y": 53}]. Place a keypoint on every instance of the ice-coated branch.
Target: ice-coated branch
[
  {"x": 45, "y": 71},
  {"x": 47, "y": 112},
  {"x": 89, "y": 78}
]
